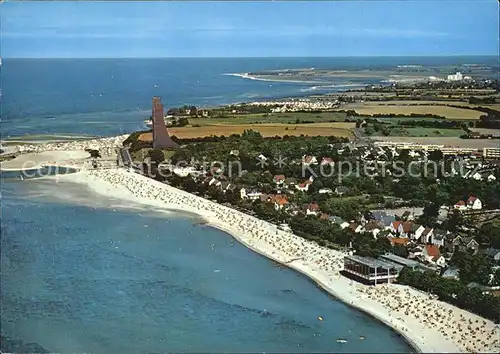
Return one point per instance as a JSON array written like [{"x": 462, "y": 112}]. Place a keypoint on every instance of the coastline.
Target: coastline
[
  {"x": 324, "y": 287},
  {"x": 34, "y": 161},
  {"x": 256, "y": 78},
  {"x": 305, "y": 257}
]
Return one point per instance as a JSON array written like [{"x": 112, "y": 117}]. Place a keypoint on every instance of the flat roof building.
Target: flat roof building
[
  {"x": 405, "y": 262},
  {"x": 370, "y": 270},
  {"x": 491, "y": 153}
]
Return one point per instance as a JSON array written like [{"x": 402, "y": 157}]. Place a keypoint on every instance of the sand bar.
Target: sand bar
[{"x": 30, "y": 161}]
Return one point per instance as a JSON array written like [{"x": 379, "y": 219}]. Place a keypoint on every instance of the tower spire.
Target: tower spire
[{"x": 161, "y": 138}]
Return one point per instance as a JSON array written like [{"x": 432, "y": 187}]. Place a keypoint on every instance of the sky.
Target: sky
[{"x": 249, "y": 29}]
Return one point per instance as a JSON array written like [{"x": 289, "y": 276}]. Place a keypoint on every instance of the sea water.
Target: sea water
[
  {"x": 83, "y": 273},
  {"x": 103, "y": 97}
]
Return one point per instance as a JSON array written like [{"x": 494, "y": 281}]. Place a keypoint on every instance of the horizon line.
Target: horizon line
[{"x": 265, "y": 57}]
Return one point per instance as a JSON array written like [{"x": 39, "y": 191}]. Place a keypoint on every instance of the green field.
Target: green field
[
  {"x": 287, "y": 117},
  {"x": 394, "y": 120},
  {"x": 430, "y": 132},
  {"x": 435, "y": 132}
]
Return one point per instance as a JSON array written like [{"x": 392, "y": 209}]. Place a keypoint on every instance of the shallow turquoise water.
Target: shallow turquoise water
[{"x": 98, "y": 277}]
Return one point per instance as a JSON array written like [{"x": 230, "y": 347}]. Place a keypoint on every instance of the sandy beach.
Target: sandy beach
[
  {"x": 70, "y": 154},
  {"x": 30, "y": 161},
  {"x": 429, "y": 325}
]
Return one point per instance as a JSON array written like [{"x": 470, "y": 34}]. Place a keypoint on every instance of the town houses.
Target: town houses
[
  {"x": 472, "y": 203},
  {"x": 378, "y": 211}
]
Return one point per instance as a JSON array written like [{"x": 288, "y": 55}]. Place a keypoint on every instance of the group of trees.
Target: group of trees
[
  {"x": 478, "y": 268},
  {"x": 323, "y": 232},
  {"x": 482, "y": 100},
  {"x": 454, "y": 292},
  {"x": 368, "y": 246},
  {"x": 420, "y": 186},
  {"x": 134, "y": 143},
  {"x": 416, "y": 189},
  {"x": 193, "y": 111},
  {"x": 438, "y": 124},
  {"x": 373, "y": 126},
  {"x": 180, "y": 122},
  {"x": 488, "y": 234},
  {"x": 377, "y": 127},
  {"x": 490, "y": 120},
  {"x": 348, "y": 209}
]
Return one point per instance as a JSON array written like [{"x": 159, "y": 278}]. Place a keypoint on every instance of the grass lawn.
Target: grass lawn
[
  {"x": 418, "y": 131},
  {"x": 423, "y": 132},
  {"x": 394, "y": 120},
  {"x": 400, "y": 131}
]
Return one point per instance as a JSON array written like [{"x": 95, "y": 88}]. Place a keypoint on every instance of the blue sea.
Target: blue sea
[
  {"x": 102, "y": 97},
  {"x": 101, "y": 276},
  {"x": 84, "y": 273}
]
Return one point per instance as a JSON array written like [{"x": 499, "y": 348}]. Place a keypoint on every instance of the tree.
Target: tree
[
  {"x": 489, "y": 234},
  {"x": 383, "y": 245},
  {"x": 406, "y": 276},
  {"x": 189, "y": 185},
  {"x": 174, "y": 112},
  {"x": 436, "y": 155},
  {"x": 454, "y": 221},
  {"x": 474, "y": 268},
  {"x": 400, "y": 250},
  {"x": 93, "y": 153},
  {"x": 157, "y": 156},
  {"x": 182, "y": 122},
  {"x": 496, "y": 280},
  {"x": 430, "y": 214},
  {"x": 317, "y": 184}
]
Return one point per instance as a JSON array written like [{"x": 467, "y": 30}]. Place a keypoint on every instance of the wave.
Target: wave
[
  {"x": 251, "y": 77},
  {"x": 403, "y": 78},
  {"x": 331, "y": 87},
  {"x": 69, "y": 193},
  {"x": 391, "y": 81}
]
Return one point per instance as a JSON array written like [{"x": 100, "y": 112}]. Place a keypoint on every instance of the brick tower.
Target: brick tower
[{"x": 161, "y": 139}]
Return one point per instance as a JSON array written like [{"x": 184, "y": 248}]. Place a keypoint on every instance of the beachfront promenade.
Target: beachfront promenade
[{"x": 430, "y": 325}]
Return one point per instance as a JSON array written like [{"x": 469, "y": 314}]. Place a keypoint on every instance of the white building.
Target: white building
[
  {"x": 325, "y": 191},
  {"x": 474, "y": 203},
  {"x": 477, "y": 176},
  {"x": 184, "y": 171},
  {"x": 456, "y": 77},
  {"x": 252, "y": 195},
  {"x": 491, "y": 153}
]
